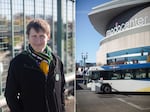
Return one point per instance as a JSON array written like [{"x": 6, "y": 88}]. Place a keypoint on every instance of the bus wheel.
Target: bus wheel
[
  {"x": 107, "y": 89},
  {"x": 102, "y": 87}
]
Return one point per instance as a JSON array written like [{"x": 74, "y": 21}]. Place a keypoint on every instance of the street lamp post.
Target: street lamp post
[{"x": 84, "y": 57}]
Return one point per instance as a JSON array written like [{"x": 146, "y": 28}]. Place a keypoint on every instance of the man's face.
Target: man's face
[{"x": 38, "y": 40}]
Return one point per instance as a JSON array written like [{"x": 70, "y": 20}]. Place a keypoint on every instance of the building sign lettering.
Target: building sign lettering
[{"x": 136, "y": 22}]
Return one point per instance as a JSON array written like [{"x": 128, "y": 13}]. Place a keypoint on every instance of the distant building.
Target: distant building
[
  {"x": 15, "y": 15},
  {"x": 80, "y": 66},
  {"x": 125, "y": 25}
]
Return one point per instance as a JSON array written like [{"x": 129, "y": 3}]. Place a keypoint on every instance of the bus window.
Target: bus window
[
  {"x": 106, "y": 75},
  {"x": 116, "y": 75},
  {"x": 141, "y": 73},
  {"x": 94, "y": 75},
  {"x": 128, "y": 75},
  {"x": 137, "y": 74},
  {"x": 148, "y": 74}
]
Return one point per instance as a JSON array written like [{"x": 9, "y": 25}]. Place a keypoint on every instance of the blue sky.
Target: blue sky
[{"x": 87, "y": 38}]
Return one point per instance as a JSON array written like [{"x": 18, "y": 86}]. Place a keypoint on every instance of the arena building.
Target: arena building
[{"x": 125, "y": 25}]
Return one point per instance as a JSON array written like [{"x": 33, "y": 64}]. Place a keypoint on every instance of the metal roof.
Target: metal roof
[{"x": 101, "y": 15}]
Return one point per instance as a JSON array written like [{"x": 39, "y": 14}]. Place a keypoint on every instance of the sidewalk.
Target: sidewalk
[{"x": 70, "y": 104}]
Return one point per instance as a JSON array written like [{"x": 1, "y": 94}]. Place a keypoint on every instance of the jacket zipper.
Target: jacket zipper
[
  {"x": 46, "y": 97},
  {"x": 55, "y": 96},
  {"x": 46, "y": 90},
  {"x": 56, "y": 102}
]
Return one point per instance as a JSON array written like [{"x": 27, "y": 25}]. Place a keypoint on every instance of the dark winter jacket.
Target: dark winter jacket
[{"x": 28, "y": 89}]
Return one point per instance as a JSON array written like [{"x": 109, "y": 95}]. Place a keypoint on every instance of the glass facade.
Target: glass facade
[
  {"x": 129, "y": 56},
  {"x": 15, "y": 15}
]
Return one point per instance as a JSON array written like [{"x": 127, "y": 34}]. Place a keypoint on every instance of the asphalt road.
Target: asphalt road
[{"x": 87, "y": 101}]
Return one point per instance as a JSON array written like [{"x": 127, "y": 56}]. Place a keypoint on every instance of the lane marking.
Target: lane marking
[{"x": 131, "y": 104}]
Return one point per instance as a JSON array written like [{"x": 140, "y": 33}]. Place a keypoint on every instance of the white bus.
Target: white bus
[{"x": 120, "y": 78}]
